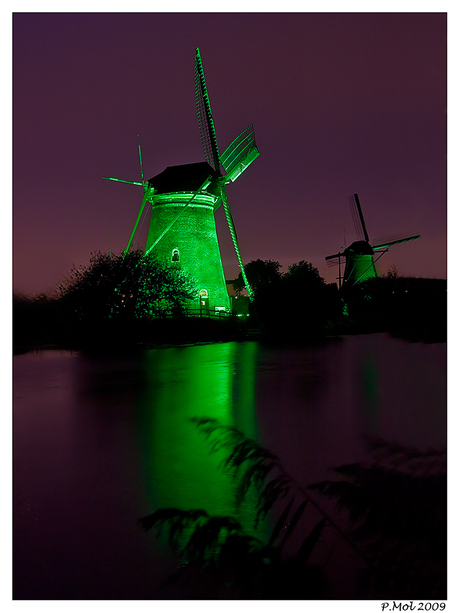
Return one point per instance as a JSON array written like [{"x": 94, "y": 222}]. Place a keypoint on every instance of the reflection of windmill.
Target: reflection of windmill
[
  {"x": 360, "y": 255},
  {"x": 184, "y": 199}
]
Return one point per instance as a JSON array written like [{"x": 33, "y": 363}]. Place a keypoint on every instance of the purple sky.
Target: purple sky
[{"x": 340, "y": 103}]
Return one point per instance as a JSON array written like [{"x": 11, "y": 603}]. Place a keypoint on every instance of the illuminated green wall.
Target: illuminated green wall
[
  {"x": 359, "y": 267},
  {"x": 194, "y": 236}
]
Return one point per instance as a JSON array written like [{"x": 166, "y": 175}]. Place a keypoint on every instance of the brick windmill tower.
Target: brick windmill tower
[{"x": 183, "y": 201}]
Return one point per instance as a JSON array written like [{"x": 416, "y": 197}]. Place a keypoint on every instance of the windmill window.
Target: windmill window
[
  {"x": 203, "y": 297},
  {"x": 175, "y": 255}
]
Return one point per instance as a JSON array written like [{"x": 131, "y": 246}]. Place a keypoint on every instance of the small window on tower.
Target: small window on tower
[
  {"x": 204, "y": 298},
  {"x": 175, "y": 255}
]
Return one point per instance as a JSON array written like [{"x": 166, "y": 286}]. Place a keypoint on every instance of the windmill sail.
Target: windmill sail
[
  {"x": 205, "y": 120},
  {"x": 333, "y": 260},
  {"x": 239, "y": 154},
  {"x": 141, "y": 210},
  {"x": 147, "y": 194},
  {"x": 402, "y": 239},
  {"x": 122, "y": 181},
  {"x": 358, "y": 218},
  {"x": 360, "y": 255}
]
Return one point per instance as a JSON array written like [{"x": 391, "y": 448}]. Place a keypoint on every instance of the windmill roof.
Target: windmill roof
[
  {"x": 360, "y": 247},
  {"x": 185, "y": 178}
]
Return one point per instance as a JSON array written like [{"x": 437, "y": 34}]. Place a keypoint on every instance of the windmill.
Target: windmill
[
  {"x": 183, "y": 201},
  {"x": 360, "y": 256}
]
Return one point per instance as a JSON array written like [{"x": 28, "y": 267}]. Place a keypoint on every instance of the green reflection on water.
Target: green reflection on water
[{"x": 214, "y": 381}]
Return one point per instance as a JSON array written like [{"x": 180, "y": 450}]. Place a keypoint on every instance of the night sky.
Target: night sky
[{"x": 340, "y": 103}]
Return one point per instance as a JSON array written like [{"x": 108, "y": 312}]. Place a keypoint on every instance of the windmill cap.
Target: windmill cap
[
  {"x": 185, "y": 178},
  {"x": 360, "y": 247}
]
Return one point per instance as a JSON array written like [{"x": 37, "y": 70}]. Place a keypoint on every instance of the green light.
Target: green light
[
  {"x": 187, "y": 198},
  {"x": 241, "y": 152},
  {"x": 359, "y": 267},
  {"x": 216, "y": 381},
  {"x": 122, "y": 181},
  {"x": 186, "y": 222}
]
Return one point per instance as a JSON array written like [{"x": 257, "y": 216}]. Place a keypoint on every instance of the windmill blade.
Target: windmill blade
[
  {"x": 358, "y": 218},
  {"x": 231, "y": 227},
  {"x": 123, "y": 181},
  {"x": 211, "y": 152},
  {"x": 389, "y": 243},
  {"x": 239, "y": 154},
  {"x": 141, "y": 210},
  {"x": 205, "y": 120},
  {"x": 336, "y": 255},
  {"x": 146, "y": 192},
  {"x": 334, "y": 260},
  {"x": 140, "y": 158}
]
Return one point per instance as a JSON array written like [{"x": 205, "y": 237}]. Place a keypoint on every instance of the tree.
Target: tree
[
  {"x": 124, "y": 286},
  {"x": 297, "y": 303},
  {"x": 260, "y": 274},
  {"x": 392, "y": 272},
  {"x": 303, "y": 273}
]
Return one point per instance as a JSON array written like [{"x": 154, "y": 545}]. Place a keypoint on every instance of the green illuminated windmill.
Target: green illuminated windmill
[
  {"x": 360, "y": 256},
  {"x": 183, "y": 202}
]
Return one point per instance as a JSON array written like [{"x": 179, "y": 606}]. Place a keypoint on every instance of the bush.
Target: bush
[{"x": 124, "y": 287}]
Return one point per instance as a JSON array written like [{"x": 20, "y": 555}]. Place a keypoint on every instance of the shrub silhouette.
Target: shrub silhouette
[
  {"x": 124, "y": 286},
  {"x": 296, "y": 304}
]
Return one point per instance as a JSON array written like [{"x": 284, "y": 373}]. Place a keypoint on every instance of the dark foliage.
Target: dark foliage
[
  {"x": 408, "y": 307},
  {"x": 244, "y": 567},
  {"x": 195, "y": 535},
  {"x": 219, "y": 560},
  {"x": 114, "y": 301},
  {"x": 260, "y": 274},
  {"x": 123, "y": 286},
  {"x": 123, "y": 300},
  {"x": 397, "y": 506},
  {"x": 249, "y": 464},
  {"x": 396, "y": 509},
  {"x": 296, "y": 305},
  {"x": 299, "y": 305}
]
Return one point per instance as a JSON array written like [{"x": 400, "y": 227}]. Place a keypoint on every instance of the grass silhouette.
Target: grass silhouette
[{"x": 394, "y": 505}]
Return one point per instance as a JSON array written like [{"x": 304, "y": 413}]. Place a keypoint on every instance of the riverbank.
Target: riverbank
[{"x": 412, "y": 309}]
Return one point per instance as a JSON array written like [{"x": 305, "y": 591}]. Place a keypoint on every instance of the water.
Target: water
[{"x": 102, "y": 441}]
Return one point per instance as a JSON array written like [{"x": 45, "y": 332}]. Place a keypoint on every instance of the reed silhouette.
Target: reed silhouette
[{"x": 390, "y": 511}]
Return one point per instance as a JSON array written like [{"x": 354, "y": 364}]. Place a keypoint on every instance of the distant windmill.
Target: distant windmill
[
  {"x": 184, "y": 199},
  {"x": 360, "y": 255}
]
